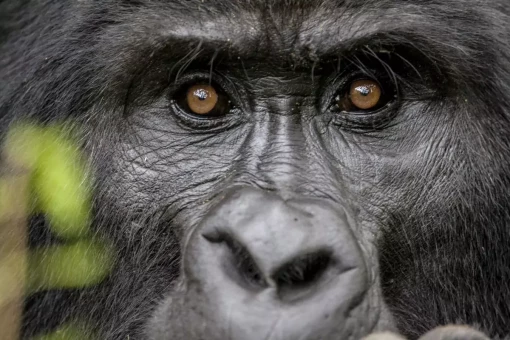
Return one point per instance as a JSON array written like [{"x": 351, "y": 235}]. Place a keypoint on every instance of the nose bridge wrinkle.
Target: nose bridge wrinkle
[
  {"x": 281, "y": 104},
  {"x": 284, "y": 156}
]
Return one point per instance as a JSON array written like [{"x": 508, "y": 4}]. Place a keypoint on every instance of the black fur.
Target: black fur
[{"x": 431, "y": 185}]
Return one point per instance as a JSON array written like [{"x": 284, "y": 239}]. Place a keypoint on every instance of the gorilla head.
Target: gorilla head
[{"x": 278, "y": 169}]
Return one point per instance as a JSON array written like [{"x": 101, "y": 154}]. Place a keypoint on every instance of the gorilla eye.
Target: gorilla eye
[
  {"x": 203, "y": 100},
  {"x": 363, "y": 94}
]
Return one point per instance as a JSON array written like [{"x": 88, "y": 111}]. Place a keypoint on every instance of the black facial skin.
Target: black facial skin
[{"x": 287, "y": 216}]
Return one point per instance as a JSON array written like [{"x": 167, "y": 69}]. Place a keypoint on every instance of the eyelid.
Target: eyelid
[{"x": 195, "y": 78}]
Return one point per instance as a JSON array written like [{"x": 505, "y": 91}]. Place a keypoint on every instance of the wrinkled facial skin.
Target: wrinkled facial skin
[{"x": 290, "y": 214}]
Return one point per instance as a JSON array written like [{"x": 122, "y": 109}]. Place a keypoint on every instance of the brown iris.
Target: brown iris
[
  {"x": 202, "y": 99},
  {"x": 365, "y": 94}
]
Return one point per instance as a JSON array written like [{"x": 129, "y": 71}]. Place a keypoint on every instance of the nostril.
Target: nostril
[
  {"x": 239, "y": 264},
  {"x": 301, "y": 272}
]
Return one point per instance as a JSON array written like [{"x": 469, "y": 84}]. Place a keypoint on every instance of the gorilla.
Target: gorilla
[{"x": 276, "y": 169}]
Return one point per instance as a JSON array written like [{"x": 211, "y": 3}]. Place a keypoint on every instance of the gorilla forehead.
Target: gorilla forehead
[
  {"x": 300, "y": 30},
  {"x": 281, "y": 24}
]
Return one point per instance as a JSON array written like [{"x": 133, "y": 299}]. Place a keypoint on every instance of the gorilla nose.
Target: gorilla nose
[
  {"x": 265, "y": 262},
  {"x": 257, "y": 257},
  {"x": 270, "y": 243}
]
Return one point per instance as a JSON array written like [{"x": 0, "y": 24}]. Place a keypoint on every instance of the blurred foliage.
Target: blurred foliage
[
  {"x": 59, "y": 178},
  {"x": 46, "y": 161},
  {"x": 72, "y": 331},
  {"x": 84, "y": 263}
]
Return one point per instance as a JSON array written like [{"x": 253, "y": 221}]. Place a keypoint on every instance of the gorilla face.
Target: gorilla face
[{"x": 281, "y": 169}]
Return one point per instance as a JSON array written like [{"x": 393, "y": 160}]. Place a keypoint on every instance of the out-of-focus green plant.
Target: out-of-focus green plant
[
  {"x": 59, "y": 182},
  {"x": 59, "y": 177},
  {"x": 71, "y": 331},
  {"x": 80, "y": 264}
]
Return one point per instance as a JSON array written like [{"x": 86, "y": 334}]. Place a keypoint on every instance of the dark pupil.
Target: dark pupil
[
  {"x": 201, "y": 94},
  {"x": 363, "y": 90}
]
